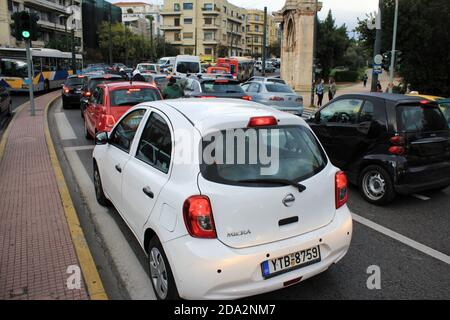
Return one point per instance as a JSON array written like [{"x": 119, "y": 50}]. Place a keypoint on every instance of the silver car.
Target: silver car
[
  {"x": 266, "y": 79},
  {"x": 276, "y": 95}
]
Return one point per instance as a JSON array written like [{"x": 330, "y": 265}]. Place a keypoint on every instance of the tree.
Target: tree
[
  {"x": 423, "y": 40},
  {"x": 222, "y": 51},
  {"x": 274, "y": 50},
  {"x": 332, "y": 43}
]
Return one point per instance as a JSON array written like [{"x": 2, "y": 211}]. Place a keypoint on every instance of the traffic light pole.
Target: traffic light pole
[
  {"x": 264, "y": 43},
  {"x": 394, "y": 42},
  {"x": 30, "y": 76},
  {"x": 377, "y": 49}
]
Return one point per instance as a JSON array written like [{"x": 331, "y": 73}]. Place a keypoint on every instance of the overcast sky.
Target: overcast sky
[{"x": 344, "y": 11}]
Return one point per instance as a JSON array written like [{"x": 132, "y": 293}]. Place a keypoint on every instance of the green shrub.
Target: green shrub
[{"x": 346, "y": 76}]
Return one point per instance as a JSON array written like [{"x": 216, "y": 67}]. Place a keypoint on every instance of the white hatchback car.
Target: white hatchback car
[{"x": 215, "y": 217}]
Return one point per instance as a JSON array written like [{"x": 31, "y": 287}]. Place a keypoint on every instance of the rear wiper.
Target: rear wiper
[{"x": 284, "y": 182}]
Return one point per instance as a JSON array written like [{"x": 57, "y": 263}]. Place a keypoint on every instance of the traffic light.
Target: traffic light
[
  {"x": 398, "y": 59},
  {"x": 25, "y": 25}
]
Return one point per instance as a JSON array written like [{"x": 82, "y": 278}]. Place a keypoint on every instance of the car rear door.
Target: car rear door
[
  {"x": 426, "y": 132},
  {"x": 148, "y": 170}
]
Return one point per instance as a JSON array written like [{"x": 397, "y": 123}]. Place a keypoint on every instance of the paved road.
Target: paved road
[{"x": 408, "y": 240}]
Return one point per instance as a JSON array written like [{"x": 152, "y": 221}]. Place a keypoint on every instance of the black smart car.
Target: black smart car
[
  {"x": 71, "y": 91},
  {"x": 386, "y": 143}
]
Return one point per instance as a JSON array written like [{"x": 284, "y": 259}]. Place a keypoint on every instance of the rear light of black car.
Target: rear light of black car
[
  {"x": 66, "y": 89},
  {"x": 398, "y": 147}
]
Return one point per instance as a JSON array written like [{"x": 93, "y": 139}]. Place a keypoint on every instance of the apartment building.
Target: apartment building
[
  {"x": 255, "y": 31},
  {"x": 134, "y": 15},
  {"x": 56, "y": 19},
  {"x": 203, "y": 27}
]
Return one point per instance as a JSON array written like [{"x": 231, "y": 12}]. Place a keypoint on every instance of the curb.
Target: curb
[
  {"x": 92, "y": 279},
  {"x": 8, "y": 129}
]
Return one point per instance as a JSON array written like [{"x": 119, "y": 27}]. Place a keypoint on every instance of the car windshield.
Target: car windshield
[
  {"x": 420, "y": 118},
  {"x": 222, "y": 87},
  {"x": 162, "y": 61},
  {"x": 132, "y": 96},
  {"x": 74, "y": 81},
  {"x": 13, "y": 68},
  {"x": 445, "y": 108},
  {"x": 278, "y": 87},
  {"x": 230, "y": 156},
  {"x": 188, "y": 67},
  {"x": 150, "y": 67}
]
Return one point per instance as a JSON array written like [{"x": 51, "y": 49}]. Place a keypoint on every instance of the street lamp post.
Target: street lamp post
[{"x": 394, "y": 42}]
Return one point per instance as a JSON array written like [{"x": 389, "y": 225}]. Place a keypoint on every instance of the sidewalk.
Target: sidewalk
[{"x": 36, "y": 247}]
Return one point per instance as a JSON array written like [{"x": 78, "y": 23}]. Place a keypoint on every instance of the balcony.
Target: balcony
[
  {"x": 46, "y": 4},
  {"x": 211, "y": 41},
  {"x": 52, "y": 26},
  {"x": 170, "y": 13},
  {"x": 215, "y": 11},
  {"x": 211, "y": 26},
  {"x": 171, "y": 27}
]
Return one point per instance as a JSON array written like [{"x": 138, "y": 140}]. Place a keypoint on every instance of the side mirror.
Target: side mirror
[{"x": 101, "y": 138}]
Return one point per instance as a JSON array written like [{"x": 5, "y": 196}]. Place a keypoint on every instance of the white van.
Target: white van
[
  {"x": 166, "y": 62},
  {"x": 185, "y": 65}
]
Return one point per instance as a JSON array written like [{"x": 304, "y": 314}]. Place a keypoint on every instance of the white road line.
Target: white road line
[
  {"x": 58, "y": 107},
  {"x": 64, "y": 128},
  {"x": 134, "y": 277},
  {"x": 79, "y": 148},
  {"x": 405, "y": 240},
  {"x": 420, "y": 197}
]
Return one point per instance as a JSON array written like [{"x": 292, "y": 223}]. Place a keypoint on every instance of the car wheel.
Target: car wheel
[
  {"x": 101, "y": 198},
  {"x": 161, "y": 275},
  {"x": 86, "y": 132},
  {"x": 375, "y": 185}
]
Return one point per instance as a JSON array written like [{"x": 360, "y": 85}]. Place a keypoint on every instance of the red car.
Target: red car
[{"x": 110, "y": 101}]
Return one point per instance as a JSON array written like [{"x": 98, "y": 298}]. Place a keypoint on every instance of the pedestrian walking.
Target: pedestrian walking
[
  {"x": 331, "y": 89},
  {"x": 365, "y": 78},
  {"x": 379, "y": 88},
  {"x": 319, "y": 92},
  {"x": 172, "y": 90}
]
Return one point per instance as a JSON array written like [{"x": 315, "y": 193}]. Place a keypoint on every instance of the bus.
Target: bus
[
  {"x": 51, "y": 68},
  {"x": 241, "y": 68}
]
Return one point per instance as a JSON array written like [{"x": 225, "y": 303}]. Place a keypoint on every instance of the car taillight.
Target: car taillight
[
  {"x": 262, "y": 121},
  {"x": 66, "y": 89},
  {"x": 248, "y": 98},
  {"x": 276, "y": 98},
  {"x": 398, "y": 150},
  {"x": 198, "y": 217},
  {"x": 87, "y": 94},
  {"x": 341, "y": 189},
  {"x": 398, "y": 140},
  {"x": 299, "y": 99}
]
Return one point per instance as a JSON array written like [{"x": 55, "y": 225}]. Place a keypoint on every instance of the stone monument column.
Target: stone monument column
[{"x": 296, "y": 20}]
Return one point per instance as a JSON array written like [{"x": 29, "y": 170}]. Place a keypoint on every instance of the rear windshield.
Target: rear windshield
[
  {"x": 423, "y": 118},
  {"x": 445, "y": 108},
  {"x": 188, "y": 67},
  {"x": 222, "y": 87},
  {"x": 75, "y": 81},
  {"x": 278, "y": 87},
  {"x": 276, "y": 81},
  {"x": 288, "y": 153},
  {"x": 151, "y": 67},
  {"x": 131, "y": 97},
  {"x": 94, "y": 82}
]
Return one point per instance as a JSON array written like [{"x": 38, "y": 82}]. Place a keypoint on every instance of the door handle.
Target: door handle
[
  {"x": 118, "y": 168},
  {"x": 148, "y": 192}
]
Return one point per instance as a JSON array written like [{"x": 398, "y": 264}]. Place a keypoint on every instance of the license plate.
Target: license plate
[{"x": 295, "y": 260}]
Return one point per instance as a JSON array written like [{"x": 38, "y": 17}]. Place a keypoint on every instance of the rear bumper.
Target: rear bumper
[
  {"x": 196, "y": 262},
  {"x": 416, "y": 179},
  {"x": 71, "y": 98}
]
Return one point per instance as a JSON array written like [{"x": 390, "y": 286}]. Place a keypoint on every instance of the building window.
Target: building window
[
  {"x": 208, "y": 51},
  {"x": 177, "y": 36},
  {"x": 225, "y": 9},
  {"x": 176, "y": 22},
  {"x": 188, "y": 6},
  {"x": 208, "y": 35},
  {"x": 256, "y": 17},
  {"x": 188, "y": 35},
  {"x": 256, "y": 39},
  {"x": 256, "y": 28},
  {"x": 208, "y": 7},
  {"x": 187, "y": 20},
  {"x": 208, "y": 20},
  {"x": 189, "y": 51},
  {"x": 176, "y": 7}
]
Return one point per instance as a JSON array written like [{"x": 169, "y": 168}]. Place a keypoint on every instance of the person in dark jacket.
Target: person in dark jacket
[
  {"x": 138, "y": 77},
  {"x": 173, "y": 90}
]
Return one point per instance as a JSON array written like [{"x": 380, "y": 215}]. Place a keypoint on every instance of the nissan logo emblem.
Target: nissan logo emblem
[{"x": 288, "y": 201}]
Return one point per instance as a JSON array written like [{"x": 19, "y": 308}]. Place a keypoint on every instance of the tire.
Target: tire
[
  {"x": 160, "y": 272},
  {"x": 375, "y": 185},
  {"x": 99, "y": 194},
  {"x": 86, "y": 132}
]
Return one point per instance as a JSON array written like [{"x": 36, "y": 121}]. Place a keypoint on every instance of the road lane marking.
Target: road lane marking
[
  {"x": 91, "y": 276},
  {"x": 64, "y": 128},
  {"x": 79, "y": 148},
  {"x": 134, "y": 277},
  {"x": 420, "y": 197},
  {"x": 401, "y": 238}
]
